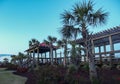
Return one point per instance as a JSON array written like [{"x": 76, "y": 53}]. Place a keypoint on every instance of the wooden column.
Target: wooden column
[
  {"x": 60, "y": 57},
  {"x": 104, "y": 50},
  {"x": 45, "y": 58},
  {"x": 111, "y": 49},
  {"x": 55, "y": 56},
  {"x": 100, "y": 55},
  {"x": 49, "y": 58},
  {"x": 111, "y": 43},
  {"x": 38, "y": 56},
  {"x": 33, "y": 59},
  {"x": 41, "y": 58}
]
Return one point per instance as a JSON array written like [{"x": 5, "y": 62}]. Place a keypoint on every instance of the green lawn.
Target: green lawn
[{"x": 6, "y": 77}]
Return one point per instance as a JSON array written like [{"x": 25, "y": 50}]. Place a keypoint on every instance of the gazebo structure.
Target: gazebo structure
[
  {"x": 103, "y": 44},
  {"x": 41, "y": 51}
]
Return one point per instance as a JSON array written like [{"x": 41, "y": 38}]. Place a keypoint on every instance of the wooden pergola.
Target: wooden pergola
[
  {"x": 101, "y": 39},
  {"x": 105, "y": 38}
]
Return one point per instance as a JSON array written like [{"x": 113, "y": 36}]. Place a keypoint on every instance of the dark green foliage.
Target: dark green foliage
[
  {"x": 11, "y": 66},
  {"x": 50, "y": 74},
  {"x": 96, "y": 81},
  {"x": 85, "y": 67}
]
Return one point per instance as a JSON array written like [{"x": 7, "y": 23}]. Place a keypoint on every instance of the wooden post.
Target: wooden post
[
  {"x": 111, "y": 49},
  {"x": 55, "y": 56},
  {"x": 104, "y": 49},
  {"x": 111, "y": 43},
  {"x": 45, "y": 58},
  {"x": 33, "y": 59},
  {"x": 100, "y": 56},
  {"x": 38, "y": 55},
  {"x": 49, "y": 58},
  {"x": 41, "y": 58},
  {"x": 60, "y": 57}
]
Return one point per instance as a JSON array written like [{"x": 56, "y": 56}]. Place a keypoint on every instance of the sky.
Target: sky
[{"x": 22, "y": 20}]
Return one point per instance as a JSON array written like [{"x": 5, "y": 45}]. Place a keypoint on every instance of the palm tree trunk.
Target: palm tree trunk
[
  {"x": 65, "y": 54},
  {"x": 92, "y": 69},
  {"x": 51, "y": 54},
  {"x": 89, "y": 54}
]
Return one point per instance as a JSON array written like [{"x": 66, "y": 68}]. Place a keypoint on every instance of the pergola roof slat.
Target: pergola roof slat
[{"x": 109, "y": 32}]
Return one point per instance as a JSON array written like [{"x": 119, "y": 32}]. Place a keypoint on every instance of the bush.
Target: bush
[
  {"x": 106, "y": 67},
  {"x": 11, "y": 66},
  {"x": 50, "y": 74},
  {"x": 86, "y": 67},
  {"x": 118, "y": 67},
  {"x": 22, "y": 69},
  {"x": 72, "y": 68}
]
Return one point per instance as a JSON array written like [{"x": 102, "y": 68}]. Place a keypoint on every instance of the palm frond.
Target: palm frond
[
  {"x": 66, "y": 31},
  {"x": 99, "y": 17},
  {"x": 46, "y": 42},
  {"x": 67, "y": 17}
]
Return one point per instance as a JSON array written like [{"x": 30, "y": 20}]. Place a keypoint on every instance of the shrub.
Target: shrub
[
  {"x": 96, "y": 81},
  {"x": 12, "y": 66},
  {"x": 118, "y": 67},
  {"x": 86, "y": 67},
  {"x": 105, "y": 66},
  {"x": 22, "y": 69},
  {"x": 72, "y": 68},
  {"x": 50, "y": 74}
]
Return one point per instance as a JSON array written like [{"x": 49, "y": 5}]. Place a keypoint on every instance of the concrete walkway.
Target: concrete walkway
[{"x": 7, "y": 77}]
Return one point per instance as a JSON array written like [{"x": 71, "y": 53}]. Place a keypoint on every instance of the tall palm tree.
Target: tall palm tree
[
  {"x": 50, "y": 40},
  {"x": 68, "y": 30},
  {"x": 83, "y": 15}
]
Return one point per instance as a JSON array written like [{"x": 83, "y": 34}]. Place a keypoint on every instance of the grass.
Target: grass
[{"x": 7, "y": 77}]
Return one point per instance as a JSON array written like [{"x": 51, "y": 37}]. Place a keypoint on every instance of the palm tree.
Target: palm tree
[
  {"x": 14, "y": 59},
  {"x": 33, "y": 41},
  {"x": 68, "y": 30},
  {"x": 83, "y": 15},
  {"x": 63, "y": 43},
  {"x": 21, "y": 58},
  {"x": 50, "y": 40},
  {"x": 30, "y": 44},
  {"x": 5, "y": 60}
]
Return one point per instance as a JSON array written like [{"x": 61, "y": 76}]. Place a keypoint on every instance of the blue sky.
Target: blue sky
[{"x": 21, "y": 20}]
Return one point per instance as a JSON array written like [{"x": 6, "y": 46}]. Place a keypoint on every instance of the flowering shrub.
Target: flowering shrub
[
  {"x": 118, "y": 67},
  {"x": 22, "y": 69}
]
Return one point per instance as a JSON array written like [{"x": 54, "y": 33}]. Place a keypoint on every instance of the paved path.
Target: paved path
[{"x": 7, "y": 77}]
